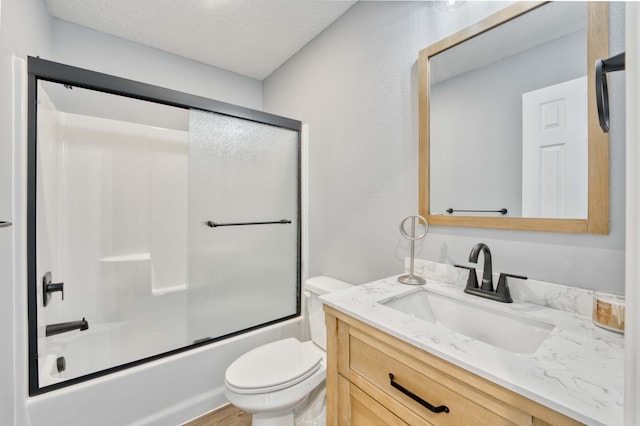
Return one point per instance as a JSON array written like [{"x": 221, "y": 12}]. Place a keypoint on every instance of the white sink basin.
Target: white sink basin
[{"x": 501, "y": 329}]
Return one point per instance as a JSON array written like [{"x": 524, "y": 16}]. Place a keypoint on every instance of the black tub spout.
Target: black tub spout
[{"x": 63, "y": 327}]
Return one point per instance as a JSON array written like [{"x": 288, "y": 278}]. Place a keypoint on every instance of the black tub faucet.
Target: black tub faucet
[{"x": 63, "y": 327}]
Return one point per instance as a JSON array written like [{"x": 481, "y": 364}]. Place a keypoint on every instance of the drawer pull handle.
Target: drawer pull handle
[{"x": 416, "y": 398}]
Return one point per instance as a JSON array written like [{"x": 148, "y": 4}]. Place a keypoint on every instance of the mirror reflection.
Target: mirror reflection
[{"x": 508, "y": 126}]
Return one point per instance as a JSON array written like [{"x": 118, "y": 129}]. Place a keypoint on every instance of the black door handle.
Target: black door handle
[{"x": 416, "y": 398}]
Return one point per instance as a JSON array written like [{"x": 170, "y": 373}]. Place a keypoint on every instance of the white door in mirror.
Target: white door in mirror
[{"x": 555, "y": 151}]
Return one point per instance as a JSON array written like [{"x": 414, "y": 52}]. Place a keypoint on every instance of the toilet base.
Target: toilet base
[
  {"x": 282, "y": 418},
  {"x": 310, "y": 411}
]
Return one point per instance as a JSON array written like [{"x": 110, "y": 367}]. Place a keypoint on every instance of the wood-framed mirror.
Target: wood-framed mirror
[{"x": 478, "y": 118}]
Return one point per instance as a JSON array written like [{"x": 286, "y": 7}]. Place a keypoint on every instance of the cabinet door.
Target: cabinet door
[{"x": 356, "y": 408}]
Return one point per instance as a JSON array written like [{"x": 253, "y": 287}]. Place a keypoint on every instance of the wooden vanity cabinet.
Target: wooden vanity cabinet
[{"x": 359, "y": 390}]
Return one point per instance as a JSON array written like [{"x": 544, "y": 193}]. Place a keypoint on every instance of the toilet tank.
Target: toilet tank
[{"x": 313, "y": 289}]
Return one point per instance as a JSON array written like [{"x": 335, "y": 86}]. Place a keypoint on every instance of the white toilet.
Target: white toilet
[{"x": 276, "y": 380}]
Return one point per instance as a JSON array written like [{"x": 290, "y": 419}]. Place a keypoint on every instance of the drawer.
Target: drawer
[
  {"x": 371, "y": 361},
  {"x": 359, "y": 409}
]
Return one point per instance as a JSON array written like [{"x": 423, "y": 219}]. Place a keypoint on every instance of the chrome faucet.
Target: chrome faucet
[{"x": 501, "y": 292}]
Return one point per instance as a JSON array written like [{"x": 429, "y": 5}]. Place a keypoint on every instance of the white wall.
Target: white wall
[
  {"x": 632, "y": 287},
  {"x": 25, "y": 28},
  {"x": 356, "y": 86},
  {"x": 81, "y": 47}
]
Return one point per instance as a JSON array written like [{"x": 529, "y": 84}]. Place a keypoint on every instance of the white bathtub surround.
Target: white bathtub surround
[
  {"x": 106, "y": 191},
  {"x": 565, "y": 298},
  {"x": 578, "y": 370},
  {"x": 165, "y": 392}
]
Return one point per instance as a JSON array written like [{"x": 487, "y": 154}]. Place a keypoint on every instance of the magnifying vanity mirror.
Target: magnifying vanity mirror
[{"x": 509, "y": 134}]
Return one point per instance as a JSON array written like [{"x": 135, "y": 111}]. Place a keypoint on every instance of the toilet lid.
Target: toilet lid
[{"x": 272, "y": 367}]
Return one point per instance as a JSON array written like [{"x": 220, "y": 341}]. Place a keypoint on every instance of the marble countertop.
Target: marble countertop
[{"x": 578, "y": 370}]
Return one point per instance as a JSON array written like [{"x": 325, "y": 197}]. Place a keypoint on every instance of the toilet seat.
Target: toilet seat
[{"x": 272, "y": 367}]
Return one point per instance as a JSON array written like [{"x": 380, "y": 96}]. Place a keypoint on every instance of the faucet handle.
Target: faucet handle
[
  {"x": 49, "y": 287},
  {"x": 503, "y": 289},
  {"x": 472, "y": 281}
]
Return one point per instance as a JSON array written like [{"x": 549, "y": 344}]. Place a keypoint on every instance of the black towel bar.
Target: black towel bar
[
  {"x": 213, "y": 224},
  {"x": 501, "y": 211}
]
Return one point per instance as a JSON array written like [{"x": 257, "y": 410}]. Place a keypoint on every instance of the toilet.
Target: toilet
[{"x": 279, "y": 380}]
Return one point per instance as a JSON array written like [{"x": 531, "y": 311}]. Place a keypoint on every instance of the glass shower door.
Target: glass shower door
[
  {"x": 243, "y": 224},
  {"x": 158, "y": 220}
]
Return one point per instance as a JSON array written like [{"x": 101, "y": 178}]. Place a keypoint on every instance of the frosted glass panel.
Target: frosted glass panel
[{"x": 241, "y": 276}]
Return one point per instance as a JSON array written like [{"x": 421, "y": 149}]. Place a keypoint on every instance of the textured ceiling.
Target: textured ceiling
[{"x": 249, "y": 37}]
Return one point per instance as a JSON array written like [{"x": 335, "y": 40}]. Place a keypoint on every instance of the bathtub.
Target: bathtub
[
  {"x": 102, "y": 341},
  {"x": 169, "y": 391}
]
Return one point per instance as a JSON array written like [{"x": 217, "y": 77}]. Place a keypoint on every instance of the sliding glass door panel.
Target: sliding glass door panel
[{"x": 241, "y": 275}]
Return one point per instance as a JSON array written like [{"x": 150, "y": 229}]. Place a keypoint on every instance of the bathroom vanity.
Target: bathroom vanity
[{"x": 573, "y": 375}]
